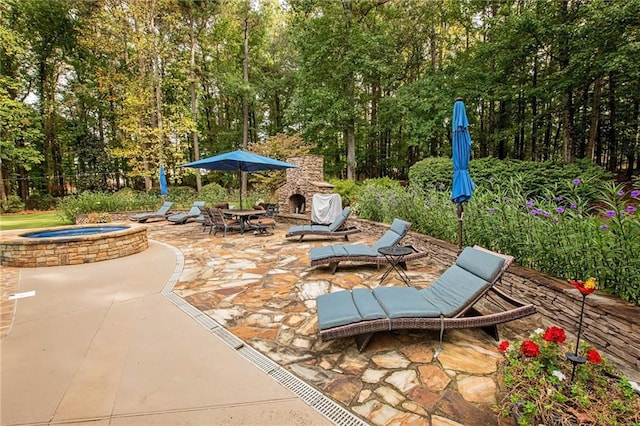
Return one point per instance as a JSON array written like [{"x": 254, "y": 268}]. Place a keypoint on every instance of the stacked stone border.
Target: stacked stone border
[
  {"x": 610, "y": 324},
  {"x": 23, "y": 252}
]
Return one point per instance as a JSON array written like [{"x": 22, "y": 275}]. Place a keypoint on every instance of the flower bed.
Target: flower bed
[{"x": 540, "y": 386}]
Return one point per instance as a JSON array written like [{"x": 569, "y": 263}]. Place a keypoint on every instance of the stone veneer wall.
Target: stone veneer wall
[
  {"x": 610, "y": 324},
  {"x": 31, "y": 253}
]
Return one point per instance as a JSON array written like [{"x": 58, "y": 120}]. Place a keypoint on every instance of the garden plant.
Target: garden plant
[{"x": 571, "y": 226}]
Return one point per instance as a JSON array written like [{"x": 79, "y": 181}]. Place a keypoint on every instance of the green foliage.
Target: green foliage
[
  {"x": 94, "y": 202},
  {"x": 347, "y": 189},
  {"x": 565, "y": 234},
  {"x": 213, "y": 193},
  {"x": 41, "y": 202},
  {"x": 182, "y": 196},
  {"x": 537, "y": 386},
  {"x": 432, "y": 172},
  {"x": 13, "y": 204},
  {"x": 537, "y": 178},
  {"x": 373, "y": 197}
]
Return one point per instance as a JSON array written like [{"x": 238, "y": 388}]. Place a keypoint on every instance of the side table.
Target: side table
[{"x": 395, "y": 256}]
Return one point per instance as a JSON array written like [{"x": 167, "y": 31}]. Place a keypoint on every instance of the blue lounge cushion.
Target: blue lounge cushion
[
  {"x": 339, "y": 221},
  {"x": 454, "y": 290},
  {"x": 336, "y": 309},
  {"x": 480, "y": 263},
  {"x": 396, "y": 232},
  {"x": 367, "y": 305},
  {"x": 338, "y": 250},
  {"x": 308, "y": 228},
  {"x": 404, "y": 302},
  {"x": 162, "y": 211},
  {"x": 193, "y": 213}
]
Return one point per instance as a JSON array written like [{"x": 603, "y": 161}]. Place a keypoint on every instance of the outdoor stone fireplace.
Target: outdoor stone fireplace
[{"x": 295, "y": 196}]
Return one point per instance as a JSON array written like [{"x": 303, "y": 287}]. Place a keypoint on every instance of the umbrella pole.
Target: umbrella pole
[{"x": 460, "y": 211}]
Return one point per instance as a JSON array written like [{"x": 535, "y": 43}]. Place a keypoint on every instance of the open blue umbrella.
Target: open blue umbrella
[
  {"x": 239, "y": 161},
  {"x": 463, "y": 186},
  {"x": 164, "y": 190}
]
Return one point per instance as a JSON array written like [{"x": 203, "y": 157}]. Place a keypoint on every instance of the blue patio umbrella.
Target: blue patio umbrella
[
  {"x": 164, "y": 190},
  {"x": 463, "y": 186},
  {"x": 239, "y": 161}
]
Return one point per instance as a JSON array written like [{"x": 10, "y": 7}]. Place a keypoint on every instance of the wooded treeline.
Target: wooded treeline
[{"x": 97, "y": 94}]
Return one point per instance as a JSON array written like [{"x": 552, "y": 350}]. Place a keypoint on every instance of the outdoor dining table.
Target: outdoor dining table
[{"x": 243, "y": 216}]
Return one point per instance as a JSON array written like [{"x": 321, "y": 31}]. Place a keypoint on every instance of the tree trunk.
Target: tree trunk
[
  {"x": 194, "y": 102},
  {"x": 590, "y": 150},
  {"x": 534, "y": 113},
  {"x": 245, "y": 101},
  {"x": 612, "y": 143},
  {"x": 568, "y": 137},
  {"x": 635, "y": 144}
]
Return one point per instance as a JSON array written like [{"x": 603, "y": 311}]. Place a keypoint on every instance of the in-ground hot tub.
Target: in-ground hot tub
[{"x": 71, "y": 245}]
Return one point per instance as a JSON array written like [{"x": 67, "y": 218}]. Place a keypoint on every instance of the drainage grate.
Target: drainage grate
[
  {"x": 262, "y": 362},
  {"x": 228, "y": 338},
  {"x": 308, "y": 394},
  {"x": 334, "y": 412},
  {"x": 207, "y": 321}
]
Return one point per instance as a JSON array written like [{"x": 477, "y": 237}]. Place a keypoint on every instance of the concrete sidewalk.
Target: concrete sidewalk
[{"x": 99, "y": 343}]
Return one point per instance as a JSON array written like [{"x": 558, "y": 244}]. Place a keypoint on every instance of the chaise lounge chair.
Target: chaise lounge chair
[
  {"x": 447, "y": 304},
  {"x": 335, "y": 229},
  {"x": 162, "y": 212},
  {"x": 193, "y": 213},
  {"x": 334, "y": 254}
]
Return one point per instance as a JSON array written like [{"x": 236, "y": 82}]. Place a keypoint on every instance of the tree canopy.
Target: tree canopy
[{"x": 98, "y": 94}]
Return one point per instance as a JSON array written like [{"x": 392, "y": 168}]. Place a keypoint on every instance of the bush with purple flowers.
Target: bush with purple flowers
[{"x": 561, "y": 232}]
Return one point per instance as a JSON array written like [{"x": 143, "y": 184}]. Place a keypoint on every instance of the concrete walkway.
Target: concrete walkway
[{"x": 100, "y": 343}]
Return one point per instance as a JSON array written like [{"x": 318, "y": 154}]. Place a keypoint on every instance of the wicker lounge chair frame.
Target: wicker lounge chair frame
[
  {"x": 334, "y": 230},
  {"x": 162, "y": 213},
  {"x": 379, "y": 259},
  {"x": 467, "y": 317}
]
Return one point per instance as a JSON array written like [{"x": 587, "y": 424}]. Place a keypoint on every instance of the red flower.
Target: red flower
[
  {"x": 594, "y": 357},
  {"x": 503, "y": 346},
  {"x": 554, "y": 334},
  {"x": 530, "y": 349},
  {"x": 585, "y": 288}
]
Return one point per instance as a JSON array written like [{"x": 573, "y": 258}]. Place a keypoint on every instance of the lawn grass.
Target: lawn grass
[{"x": 31, "y": 220}]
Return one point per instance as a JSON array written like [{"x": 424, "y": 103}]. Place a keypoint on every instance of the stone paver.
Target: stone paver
[{"x": 263, "y": 290}]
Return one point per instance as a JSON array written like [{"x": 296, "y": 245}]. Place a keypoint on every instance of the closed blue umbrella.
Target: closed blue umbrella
[
  {"x": 463, "y": 186},
  {"x": 239, "y": 161},
  {"x": 164, "y": 190}
]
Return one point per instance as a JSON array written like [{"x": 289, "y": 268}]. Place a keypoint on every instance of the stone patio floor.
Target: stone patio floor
[{"x": 262, "y": 289}]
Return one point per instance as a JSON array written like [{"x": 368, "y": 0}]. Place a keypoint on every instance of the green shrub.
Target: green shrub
[
  {"x": 213, "y": 193},
  {"x": 41, "y": 202},
  {"x": 121, "y": 201},
  {"x": 182, "y": 196},
  {"x": 13, "y": 204},
  {"x": 347, "y": 189},
  {"x": 432, "y": 172},
  {"x": 537, "y": 178},
  {"x": 565, "y": 234},
  {"x": 373, "y": 198}
]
